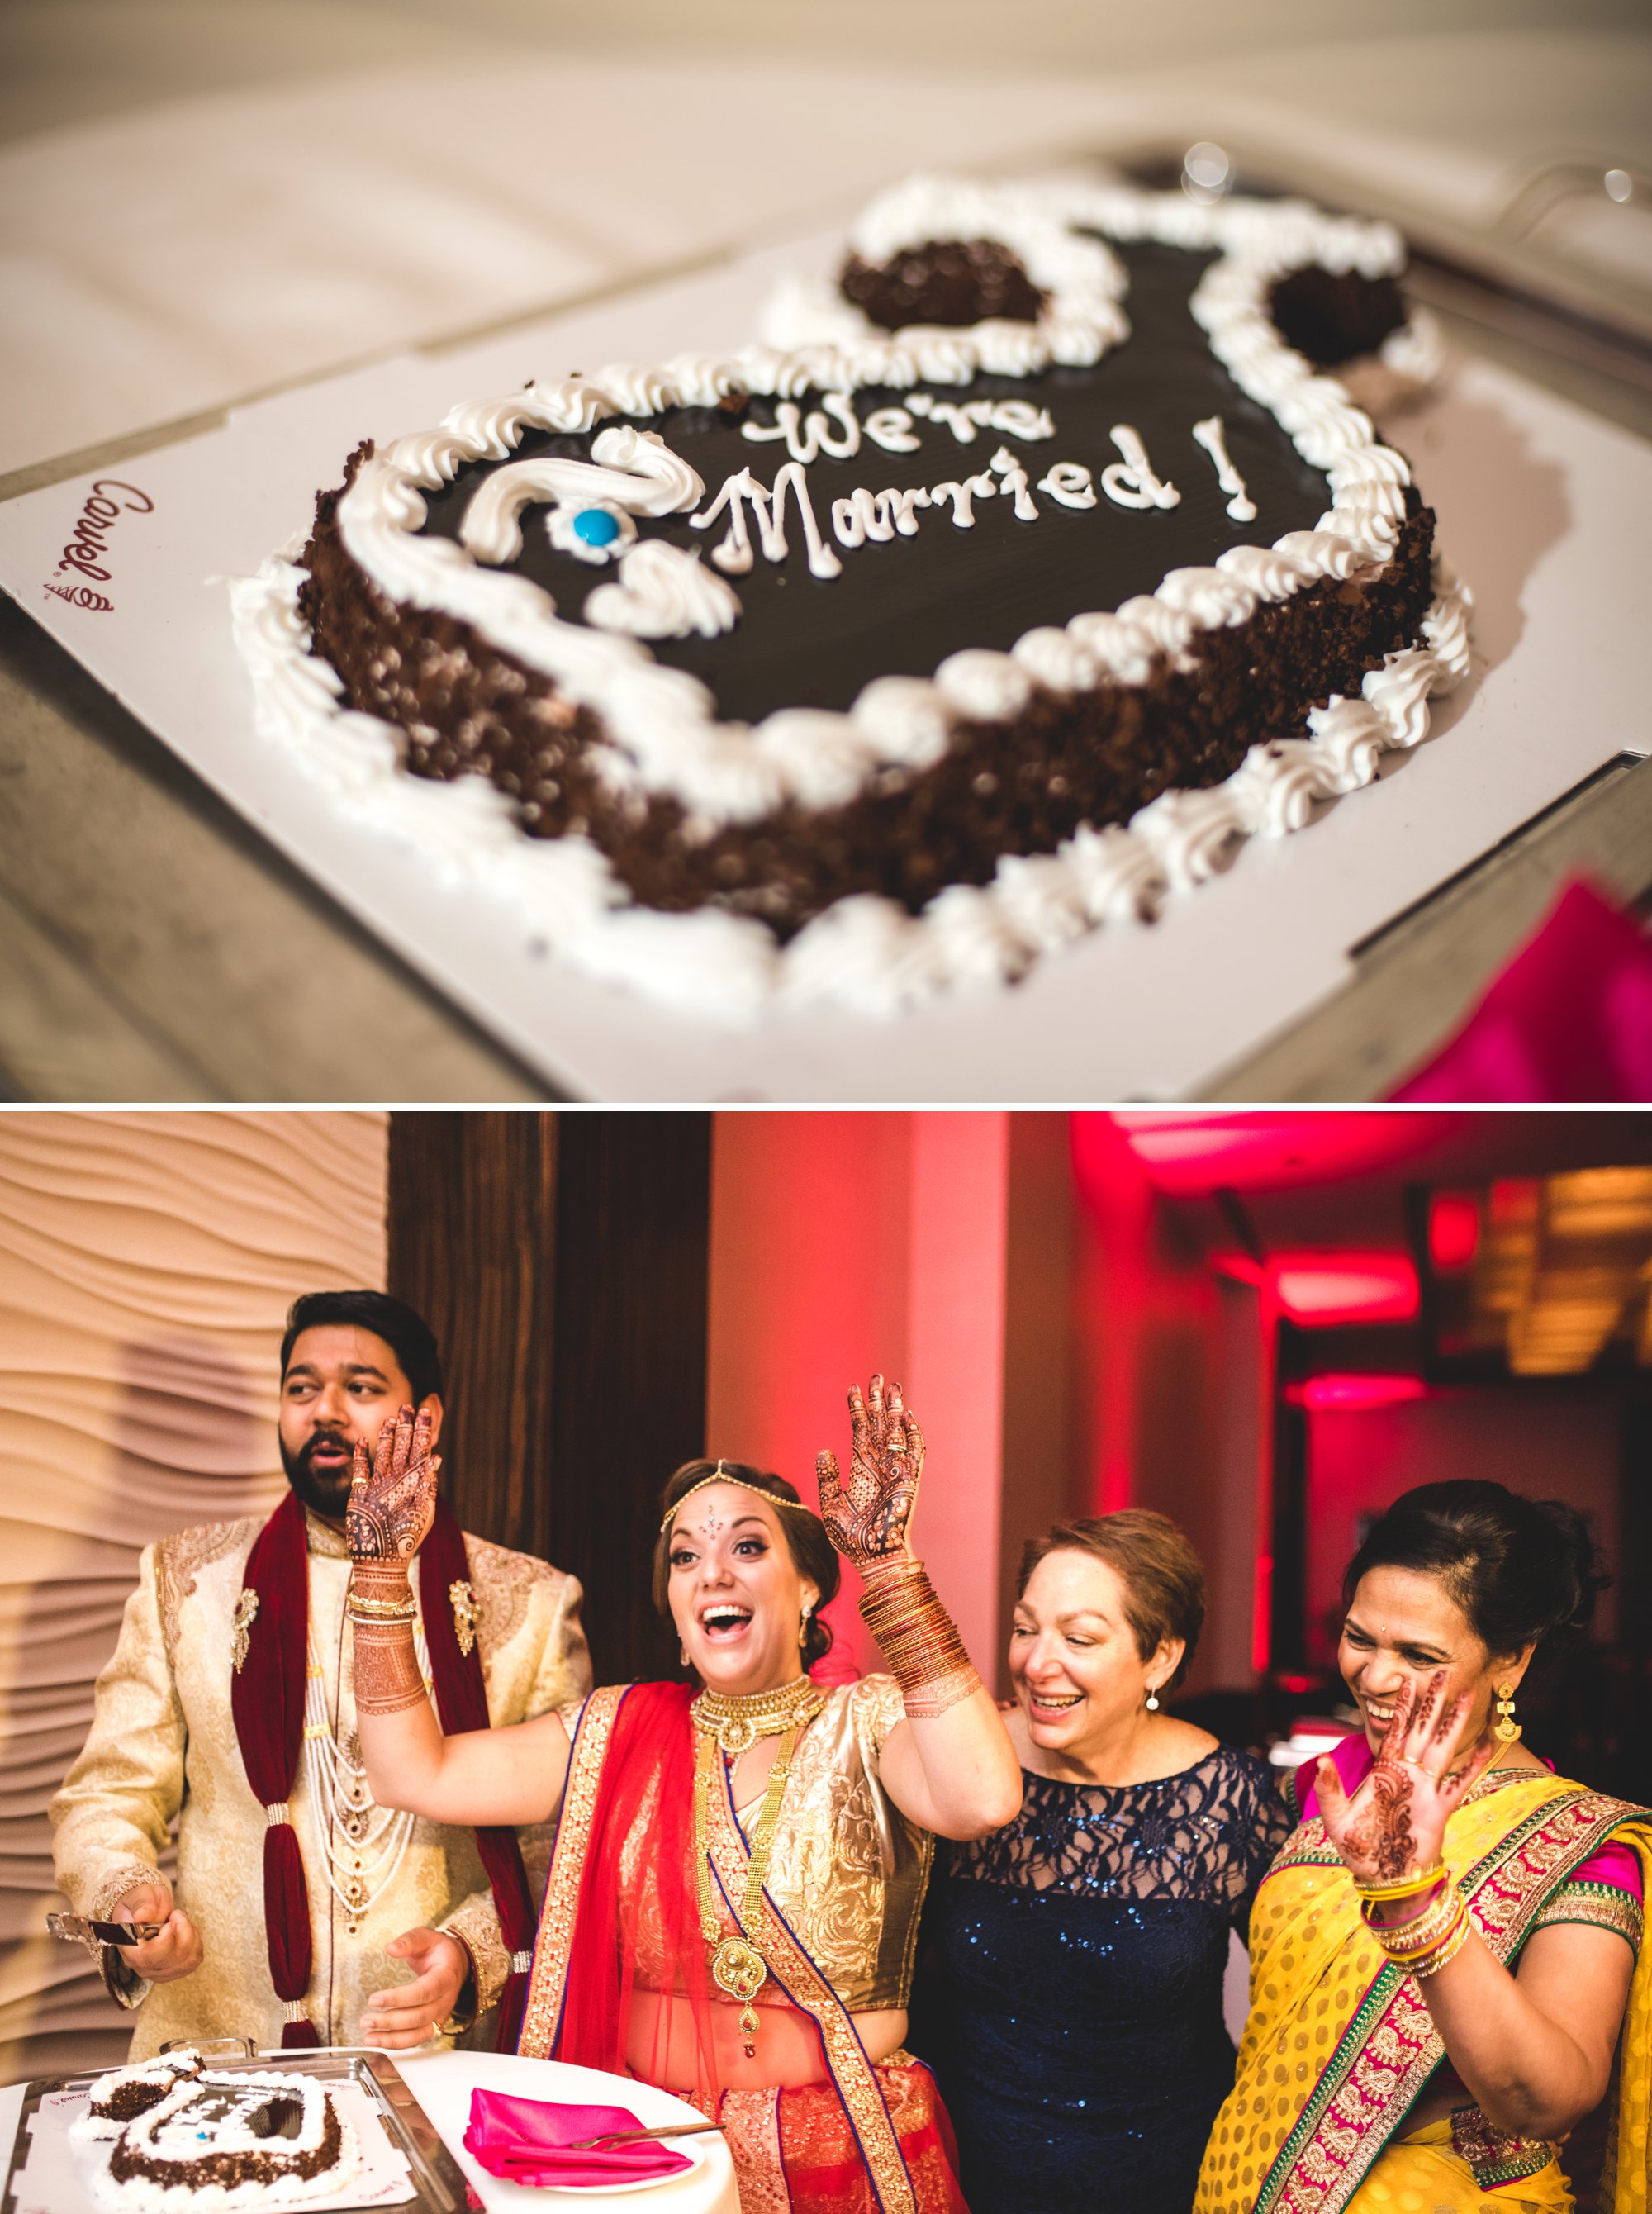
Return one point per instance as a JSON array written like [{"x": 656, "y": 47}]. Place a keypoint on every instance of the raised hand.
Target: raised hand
[
  {"x": 392, "y": 1503},
  {"x": 867, "y": 1519},
  {"x": 1395, "y": 1824}
]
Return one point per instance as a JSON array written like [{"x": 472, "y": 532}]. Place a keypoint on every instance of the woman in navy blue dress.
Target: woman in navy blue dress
[{"x": 1069, "y": 1996}]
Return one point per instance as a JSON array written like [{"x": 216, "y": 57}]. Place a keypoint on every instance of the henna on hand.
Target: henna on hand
[
  {"x": 1385, "y": 1834},
  {"x": 867, "y": 1519},
  {"x": 391, "y": 1508},
  {"x": 387, "y": 1671},
  {"x": 1395, "y": 1824}
]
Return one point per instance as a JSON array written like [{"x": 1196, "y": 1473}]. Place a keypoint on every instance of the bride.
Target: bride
[{"x": 731, "y": 1909}]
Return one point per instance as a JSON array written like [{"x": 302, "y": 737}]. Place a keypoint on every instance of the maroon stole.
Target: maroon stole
[{"x": 266, "y": 1697}]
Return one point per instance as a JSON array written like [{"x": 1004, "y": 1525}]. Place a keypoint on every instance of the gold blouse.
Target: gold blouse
[{"x": 846, "y": 1868}]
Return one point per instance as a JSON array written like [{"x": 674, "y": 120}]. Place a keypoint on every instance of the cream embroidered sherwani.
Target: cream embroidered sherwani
[{"x": 162, "y": 1744}]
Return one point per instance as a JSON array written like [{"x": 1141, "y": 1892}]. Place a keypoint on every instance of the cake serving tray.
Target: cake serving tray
[
  {"x": 1540, "y": 509},
  {"x": 420, "y": 2175}
]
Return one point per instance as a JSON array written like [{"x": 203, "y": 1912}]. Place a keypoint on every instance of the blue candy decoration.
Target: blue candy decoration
[{"x": 596, "y": 526}]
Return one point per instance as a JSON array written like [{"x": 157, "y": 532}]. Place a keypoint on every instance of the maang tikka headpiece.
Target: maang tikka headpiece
[{"x": 720, "y": 1475}]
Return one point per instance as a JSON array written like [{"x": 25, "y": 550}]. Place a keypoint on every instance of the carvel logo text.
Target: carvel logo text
[{"x": 87, "y": 548}]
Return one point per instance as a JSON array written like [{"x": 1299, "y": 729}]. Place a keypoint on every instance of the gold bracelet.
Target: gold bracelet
[
  {"x": 1417, "y": 1939},
  {"x": 1453, "y": 1945},
  {"x": 1412, "y": 1956},
  {"x": 1409, "y": 1886},
  {"x": 372, "y": 1609},
  {"x": 1367, "y": 1908}
]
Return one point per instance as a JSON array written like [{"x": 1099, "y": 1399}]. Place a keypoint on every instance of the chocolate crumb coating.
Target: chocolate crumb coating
[
  {"x": 127, "y": 2101},
  {"x": 1332, "y": 316},
  {"x": 1019, "y": 787},
  {"x": 230, "y": 2168},
  {"x": 952, "y": 281}
]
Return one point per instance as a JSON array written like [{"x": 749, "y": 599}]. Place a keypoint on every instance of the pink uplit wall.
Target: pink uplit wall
[
  {"x": 1172, "y": 1383},
  {"x": 843, "y": 1243},
  {"x": 1067, "y": 1351},
  {"x": 1115, "y": 1271},
  {"x": 1562, "y": 1446}
]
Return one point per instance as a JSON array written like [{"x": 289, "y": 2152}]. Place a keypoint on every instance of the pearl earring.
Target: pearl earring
[
  {"x": 802, "y": 1628},
  {"x": 1153, "y": 1701}
]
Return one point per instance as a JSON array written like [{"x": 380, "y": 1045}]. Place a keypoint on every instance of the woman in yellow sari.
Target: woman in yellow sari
[{"x": 1445, "y": 1956}]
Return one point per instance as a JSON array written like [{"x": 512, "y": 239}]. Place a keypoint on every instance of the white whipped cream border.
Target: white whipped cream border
[
  {"x": 283, "y": 2189},
  {"x": 864, "y": 953}
]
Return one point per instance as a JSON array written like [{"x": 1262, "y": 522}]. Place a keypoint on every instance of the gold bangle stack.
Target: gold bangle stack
[
  {"x": 918, "y": 1638},
  {"x": 1421, "y": 1932},
  {"x": 1409, "y": 1886},
  {"x": 1448, "y": 1950},
  {"x": 1424, "y": 1944},
  {"x": 382, "y": 1610}
]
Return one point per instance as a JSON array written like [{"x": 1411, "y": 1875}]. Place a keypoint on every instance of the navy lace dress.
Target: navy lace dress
[{"x": 1069, "y": 1993}]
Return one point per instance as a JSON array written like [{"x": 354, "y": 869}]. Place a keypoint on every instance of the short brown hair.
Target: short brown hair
[
  {"x": 1162, "y": 1576},
  {"x": 812, "y": 1553}
]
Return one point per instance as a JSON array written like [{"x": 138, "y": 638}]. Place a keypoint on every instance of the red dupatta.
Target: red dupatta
[
  {"x": 632, "y": 1763},
  {"x": 266, "y": 1697}
]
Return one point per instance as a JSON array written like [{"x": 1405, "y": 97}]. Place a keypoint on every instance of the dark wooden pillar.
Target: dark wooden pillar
[
  {"x": 562, "y": 1260},
  {"x": 472, "y": 1222}
]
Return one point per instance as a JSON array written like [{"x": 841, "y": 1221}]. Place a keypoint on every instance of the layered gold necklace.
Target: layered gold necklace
[
  {"x": 734, "y": 1723},
  {"x": 736, "y": 1720}
]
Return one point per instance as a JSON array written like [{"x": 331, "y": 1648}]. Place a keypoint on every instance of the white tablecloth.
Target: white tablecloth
[{"x": 442, "y": 2083}]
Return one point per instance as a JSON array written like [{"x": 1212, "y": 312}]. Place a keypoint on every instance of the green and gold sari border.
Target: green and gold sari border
[
  {"x": 1594, "y": 1906},
  {"x": 1513, "y": 2167}
]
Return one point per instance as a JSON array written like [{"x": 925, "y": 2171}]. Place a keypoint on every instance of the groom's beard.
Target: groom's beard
[{"x": 325, "y": 1491}]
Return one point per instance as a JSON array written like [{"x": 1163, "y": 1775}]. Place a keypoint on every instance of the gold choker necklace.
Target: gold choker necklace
[{"x": 737, "y": 1720}]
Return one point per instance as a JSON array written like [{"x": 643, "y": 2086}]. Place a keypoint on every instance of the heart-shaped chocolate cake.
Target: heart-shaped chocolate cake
[{"x": 1021, "y": 573}]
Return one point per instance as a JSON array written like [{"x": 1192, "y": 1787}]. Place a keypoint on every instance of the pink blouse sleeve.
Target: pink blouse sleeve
[
  {"x": 1606, "y": 1892},
  {"x": 1617, "y": 1865}
]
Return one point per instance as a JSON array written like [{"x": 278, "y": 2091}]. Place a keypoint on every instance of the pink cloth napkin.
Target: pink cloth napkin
[
  {"x": 526, "y": 2141},
  {"x": 1571, "y": 1017}
]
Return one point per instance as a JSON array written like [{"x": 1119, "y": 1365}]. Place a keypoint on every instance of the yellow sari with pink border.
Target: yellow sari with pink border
[{"x": 1338, "y": 2044}]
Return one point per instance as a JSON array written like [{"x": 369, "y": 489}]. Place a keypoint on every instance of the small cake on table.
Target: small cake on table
[{"x": 186, "y": 2136}]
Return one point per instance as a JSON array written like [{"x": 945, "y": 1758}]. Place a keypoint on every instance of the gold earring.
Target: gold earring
[
  {"x": 803, "y": 1629},
  {"x": 683, "y": 1657},
  {"x": 1507, "y": 1728}
]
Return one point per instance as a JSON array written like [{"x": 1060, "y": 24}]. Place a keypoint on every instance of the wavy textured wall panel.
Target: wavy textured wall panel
[{"x": 146, "y": 1265}]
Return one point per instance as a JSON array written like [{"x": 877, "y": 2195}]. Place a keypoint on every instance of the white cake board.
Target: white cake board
[{"x": 1541, "y": 508}]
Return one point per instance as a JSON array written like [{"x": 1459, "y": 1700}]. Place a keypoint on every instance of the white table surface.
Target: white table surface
[{"x": 442, "y": 2083}]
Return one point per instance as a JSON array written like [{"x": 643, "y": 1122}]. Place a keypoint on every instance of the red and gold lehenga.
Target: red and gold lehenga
[{"x": 620, "y": 1979}]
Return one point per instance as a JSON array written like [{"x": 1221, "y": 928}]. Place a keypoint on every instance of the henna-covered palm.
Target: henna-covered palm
[
  {"x": 867, "y": 1518},
  {"x": 1394, "y": 1825},
  {"x": 393, "y": 1502}
]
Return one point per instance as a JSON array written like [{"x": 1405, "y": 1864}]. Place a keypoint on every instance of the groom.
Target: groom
[{"x": 302, "y": 1907}]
